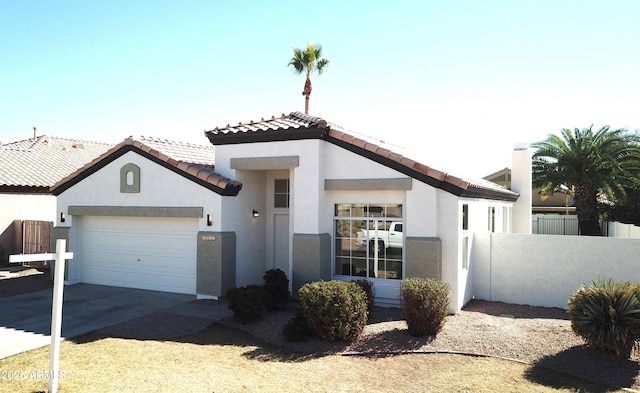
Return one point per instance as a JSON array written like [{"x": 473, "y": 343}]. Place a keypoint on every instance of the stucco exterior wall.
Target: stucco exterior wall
[
  {"x": 250, "y": 231},
  {"x": 450, "y": 231},
  {"x": 158, "y": 187},
  {"x": 544, "y": 270},
  {"x": 22, "y": 207},
  {"x": 449, "y": 212},
  {"x": 429, "y": 213}
]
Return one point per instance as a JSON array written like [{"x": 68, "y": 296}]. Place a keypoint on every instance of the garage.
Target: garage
[{"x": 155, "y": 253}]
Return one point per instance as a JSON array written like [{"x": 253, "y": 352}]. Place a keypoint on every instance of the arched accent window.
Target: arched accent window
[{"x": 130, "y": 178}]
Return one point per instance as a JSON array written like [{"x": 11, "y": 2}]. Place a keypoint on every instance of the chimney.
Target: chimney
[
  {"x": 521, "y": 183},
  {"x": 34, "y": 133}
]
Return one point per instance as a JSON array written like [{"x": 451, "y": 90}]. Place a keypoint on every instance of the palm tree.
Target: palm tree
[
  {"x": 308, "y": 60},
  {"x": 588, "y": 164}
]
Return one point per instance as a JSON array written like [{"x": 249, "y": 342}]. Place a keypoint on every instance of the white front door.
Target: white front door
[{"x": 281, "y": 242}]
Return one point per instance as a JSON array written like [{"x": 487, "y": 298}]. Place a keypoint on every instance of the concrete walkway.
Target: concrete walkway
[{"x": 25, "y": 320}]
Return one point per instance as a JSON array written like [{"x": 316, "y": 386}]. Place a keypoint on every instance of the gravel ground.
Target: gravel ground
[{"x": 534, "y": 335}]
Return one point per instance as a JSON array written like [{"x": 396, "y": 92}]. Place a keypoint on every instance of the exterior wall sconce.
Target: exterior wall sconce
[
  {"x": 256, "y": 213},
  {"x": 209, "y": 220},
  {"x": 63, "y": 218}
]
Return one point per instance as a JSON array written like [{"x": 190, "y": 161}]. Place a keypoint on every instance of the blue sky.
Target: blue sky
[{"x": 456, "y": 83}]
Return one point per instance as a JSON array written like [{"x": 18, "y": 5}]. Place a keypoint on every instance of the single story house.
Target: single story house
[
  {"x": 28, "y": 169},
  {"x": 293, "y": 192},
  {"x": 558, "y": 203}
]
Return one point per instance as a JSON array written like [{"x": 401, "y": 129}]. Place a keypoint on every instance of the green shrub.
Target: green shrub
[
  {"x": 607, "y": 315},
  {"x": 249, "y": 304},
  {"x": 276, "y": 284},
  {"x": 424, "y": 305},
  {"x": 369, "y": 290},
  {"x": 297, "y": 329},
  {"x": 334, "y": 310}
]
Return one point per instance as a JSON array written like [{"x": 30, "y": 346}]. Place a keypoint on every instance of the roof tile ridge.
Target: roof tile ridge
[
  {"x": 314, "y": 120},
  {"x": 91, "y": 163},
  {"x": 68, "y": 139},
  {"x": 173, "y": 142}
]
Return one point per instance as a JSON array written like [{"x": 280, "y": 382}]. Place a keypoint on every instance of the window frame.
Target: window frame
[{"x": 362, "y": 260}]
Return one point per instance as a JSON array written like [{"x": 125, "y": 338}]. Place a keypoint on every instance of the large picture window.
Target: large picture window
[{"x": 369, "y": 240}]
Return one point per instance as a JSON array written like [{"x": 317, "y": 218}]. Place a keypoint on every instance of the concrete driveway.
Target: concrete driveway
[{"x": 25, "y": 320}]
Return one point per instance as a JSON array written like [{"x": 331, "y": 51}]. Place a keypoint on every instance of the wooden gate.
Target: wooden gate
[{"x": 36, "y": 239}]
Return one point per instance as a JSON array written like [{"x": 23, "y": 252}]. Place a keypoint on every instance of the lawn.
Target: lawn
[{"x": 222, "y": 359}]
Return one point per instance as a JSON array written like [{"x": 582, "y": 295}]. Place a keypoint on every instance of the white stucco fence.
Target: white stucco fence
[
  {"x": 618, "y": 229},
  {"x": 544, "y": 270}
]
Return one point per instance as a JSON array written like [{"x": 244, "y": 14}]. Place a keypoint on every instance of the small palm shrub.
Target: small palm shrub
[
  {"x": 276, "y": 284},
  {"x": 334, "y": 310},
  {"x": 424, "y": 303},
  {"x": 607, "y": 315},
  {"x": 369, "y": 290},
  {"x": 249, "y": 304}
]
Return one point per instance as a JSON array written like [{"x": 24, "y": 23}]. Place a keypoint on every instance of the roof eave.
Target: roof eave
[
  {"x": 289, "y": 134},
  {"x": 16, "y": 189},
  {"x": 231, "y": 188}
]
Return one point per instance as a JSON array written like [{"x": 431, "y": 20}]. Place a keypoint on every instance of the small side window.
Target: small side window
[
  {"x": 281, "y": 193},
  {"x": 129, "y": 180},
  {"x": 465, "y": 217}
]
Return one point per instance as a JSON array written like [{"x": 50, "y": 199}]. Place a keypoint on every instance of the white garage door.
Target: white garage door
[{"x": 139, "y": 252}]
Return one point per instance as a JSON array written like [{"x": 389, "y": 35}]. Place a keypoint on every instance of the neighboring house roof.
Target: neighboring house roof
[
  {"x": 194, "y": 162},
  {"x": 34, "y": 165},
  {"x": 555, "y": 203},
  {"x": 298, "y": 126}
]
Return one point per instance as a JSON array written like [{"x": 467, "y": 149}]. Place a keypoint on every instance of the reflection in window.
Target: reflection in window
[
  {"x": 281, "y": 193},
  {"x": 369, "y": 240}
]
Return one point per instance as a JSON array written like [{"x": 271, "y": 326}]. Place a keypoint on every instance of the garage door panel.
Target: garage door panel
[{"x": 147, "y": 253}]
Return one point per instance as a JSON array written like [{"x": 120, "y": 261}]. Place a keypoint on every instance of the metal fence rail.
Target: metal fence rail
[{"x": 547, "y": 224}]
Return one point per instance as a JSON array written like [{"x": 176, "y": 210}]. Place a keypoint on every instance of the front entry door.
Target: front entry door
[{"x": 281, "y": 242}]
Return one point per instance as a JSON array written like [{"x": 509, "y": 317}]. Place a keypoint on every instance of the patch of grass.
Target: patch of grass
[{"x": 220, "y": 359}]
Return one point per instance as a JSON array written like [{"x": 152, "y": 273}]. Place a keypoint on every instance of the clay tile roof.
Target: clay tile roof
[
  {"x": 193, "y": 161},
  {"x": 42, "y": 162},
  {"x": 297, "y": 125}
]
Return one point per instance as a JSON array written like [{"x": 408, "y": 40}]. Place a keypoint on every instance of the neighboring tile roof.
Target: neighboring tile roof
[
  {"x": 195, "y": 162},
  {"x": 34, "y": 165},
  {"x": 297, "y": 126}
]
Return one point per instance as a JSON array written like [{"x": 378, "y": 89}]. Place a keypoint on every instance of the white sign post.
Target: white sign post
[{"x": 60, "y": 258}]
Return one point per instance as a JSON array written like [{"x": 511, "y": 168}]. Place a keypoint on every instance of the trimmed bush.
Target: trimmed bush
[
  {"x": 334, "y": 310},
  {"x": 607, "y": 315},
  {"x": 424, "y": 305},
  {"x": 369, "y": 290},
  {"x": 276, "y": 284},
  {"x": 297, "y": 329},
  {"x": 249, "y": 304}
]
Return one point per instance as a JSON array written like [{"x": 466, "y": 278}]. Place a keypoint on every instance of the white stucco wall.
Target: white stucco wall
[
  {"x": 159, "y": 187},
  {"x": 26, "y": 207},
  {"x": 250, "y": 231},
  {"x": 428, "y": 212},
  {"x": 544, "y": 270},
  {"x": 452, "y": 235}
]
